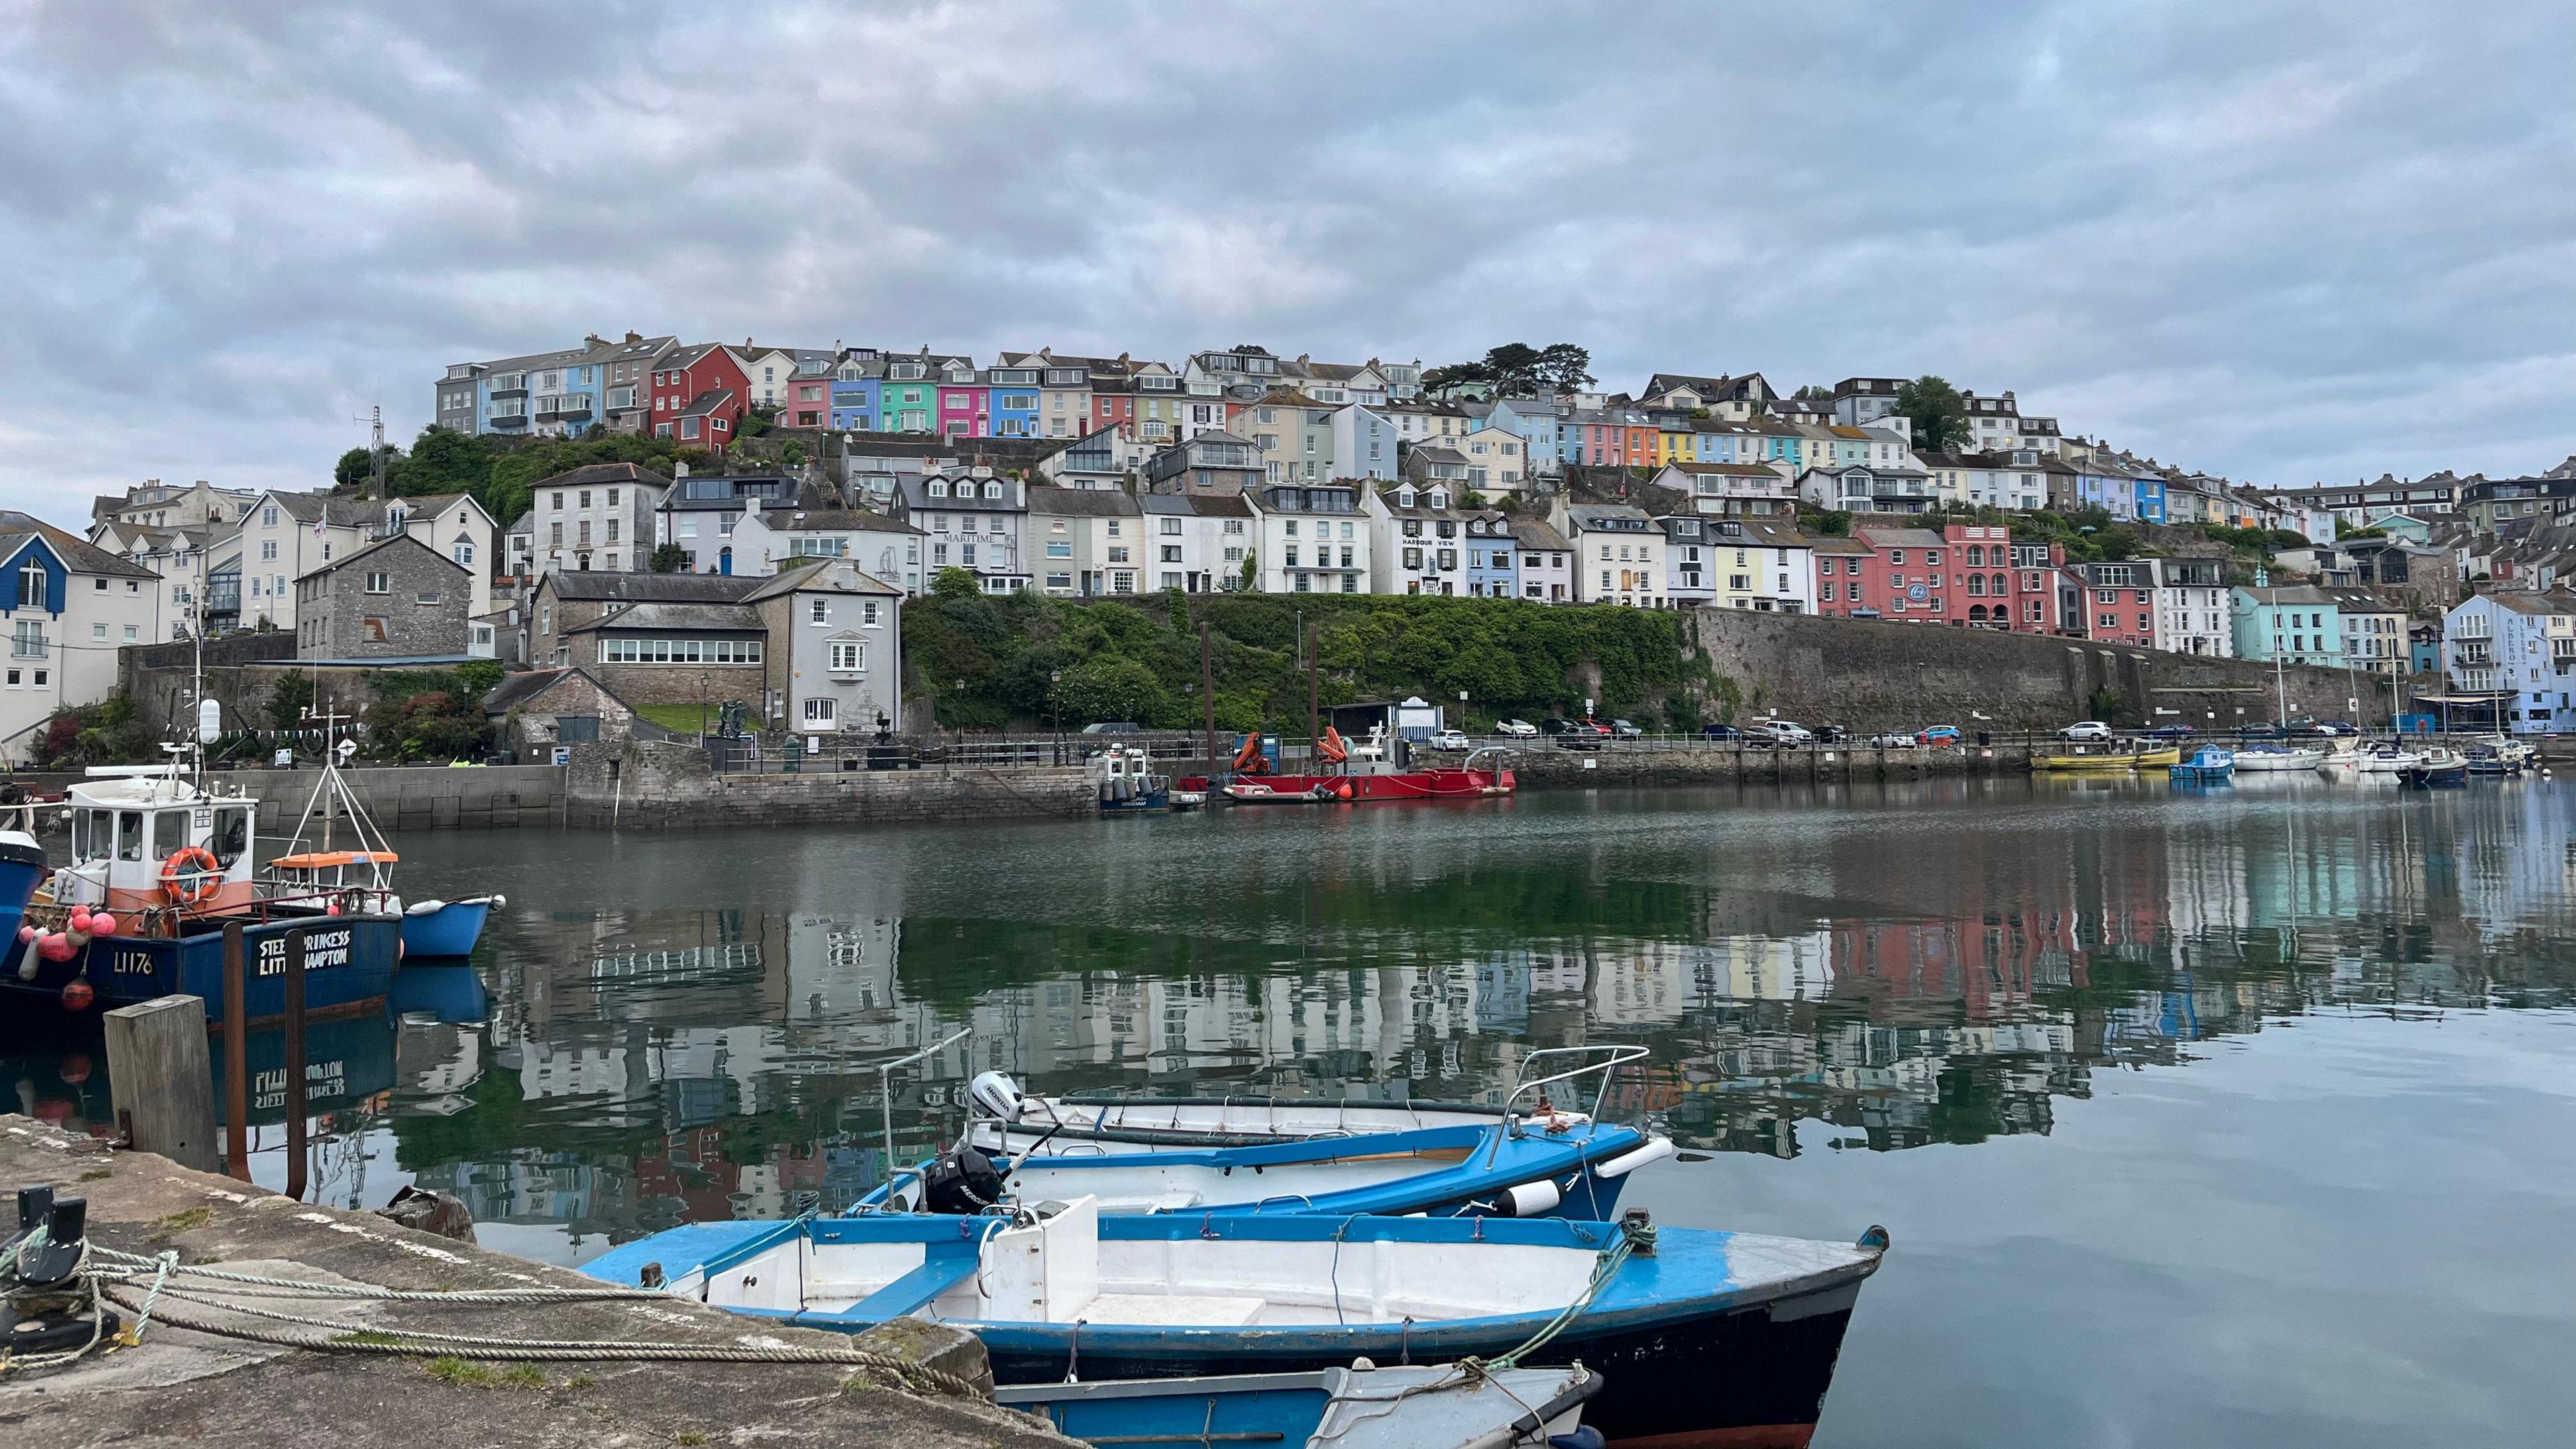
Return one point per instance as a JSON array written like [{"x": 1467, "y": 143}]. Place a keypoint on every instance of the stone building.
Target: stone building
[
  {"x": 397, "y": 598},
  {"x": 540, "y": 709}
]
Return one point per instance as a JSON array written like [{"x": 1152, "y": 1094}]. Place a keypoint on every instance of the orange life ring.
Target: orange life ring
[{"x": 208, "y": 873}]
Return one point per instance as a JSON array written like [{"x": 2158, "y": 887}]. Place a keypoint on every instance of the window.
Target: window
[
  {"x": 31, "y": 585},
  {"x": 848, "y": 656},
  {"x": 268, "y": 519},
  {"x": 819, "y": 711},
  {"x": 820, "y": 611},
  {"x": 379, "y": 583}
]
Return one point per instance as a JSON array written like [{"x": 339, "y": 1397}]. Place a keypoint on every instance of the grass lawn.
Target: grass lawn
[{"x": 683, "y": 718}]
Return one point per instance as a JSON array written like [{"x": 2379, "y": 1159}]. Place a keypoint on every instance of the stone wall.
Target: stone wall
[
  {"x": 1868, "y": 675},
  {"x": 655, "y": 785},
  {"x": 418, "y": 797}
]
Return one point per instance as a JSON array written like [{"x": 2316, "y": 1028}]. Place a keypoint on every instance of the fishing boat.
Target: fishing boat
[
  {"x": 1358, "y": 774},
  {"x": 2110, "y": 763},
  {"x": 2436, "y": 768},
  {"x": 159, "y": 868},
  {"x": 1124, "y": 781},
  {"x": 2486, "y": 761},
  {"x": 2384, "y": 759},
  {"x": 1361, "y": 1407},
  {"x": 2207, "y": 765},
  {"x": 22, "y": 865},
  {"x": 1703, "y": 1337},
  {"x": 2276, "y": 759},
  {"x": 430, "y": 928}
]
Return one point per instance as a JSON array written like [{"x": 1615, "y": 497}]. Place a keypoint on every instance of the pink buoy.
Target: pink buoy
[
  {"x": 80, "y": 918},
  {"x": 26, "y": 934},
  {"x": 102, "y": 924},
  {"x": 57, "y": 948},
  {"x": 332, "y": 909}
]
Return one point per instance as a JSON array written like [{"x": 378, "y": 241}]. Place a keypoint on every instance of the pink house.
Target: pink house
[{"x": 964, "y": 402}]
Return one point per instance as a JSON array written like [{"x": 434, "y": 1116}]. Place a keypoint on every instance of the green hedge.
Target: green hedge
[{"x": 990, "y": 660}]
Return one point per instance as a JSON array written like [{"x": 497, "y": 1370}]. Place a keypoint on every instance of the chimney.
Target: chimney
[
  {"x": 634, "y": 336},
  {"x": 594, "y": 340}
]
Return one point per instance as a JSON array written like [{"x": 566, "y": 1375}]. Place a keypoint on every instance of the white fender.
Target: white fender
[
  {"x": 1655, "y": 1150},
  {"x": 1531, "y": 1198}
]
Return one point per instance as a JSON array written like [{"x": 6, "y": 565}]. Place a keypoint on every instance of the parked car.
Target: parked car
[
  {"x": 1554, "y": 726},
  {"x": 1113, "y": 727},
  {"x": 1450, "y": 740},
  {"x": 1938, "y": 737},
  {"x": 2088, "y": 729},
  {"x": 1516, "y": 728},
  {"x": 1578, "y": 739},
  {"x": 1720, "y": 732},
  {"x": 2335, "y": 729},
  {"x": 1831, "y": 734},
  {"x": 2172, "y": 732},
  {"x": 1780, "y": 732},
  {"x": 1891, "y": 741},
  {"x": 2262, "y": 732},
  {"x": 1621, "y": 729},
  {"x": 1592, "y": 727}
]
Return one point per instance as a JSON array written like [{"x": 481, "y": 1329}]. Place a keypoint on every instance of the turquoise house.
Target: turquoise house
[{"x": 2297, "y": 624}]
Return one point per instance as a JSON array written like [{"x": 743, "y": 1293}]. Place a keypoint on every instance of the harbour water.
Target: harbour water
[{"x": 2238, "y": 1116}]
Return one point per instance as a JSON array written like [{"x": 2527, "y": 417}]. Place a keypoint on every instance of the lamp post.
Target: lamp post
[{"x": 1055, "y": 709}]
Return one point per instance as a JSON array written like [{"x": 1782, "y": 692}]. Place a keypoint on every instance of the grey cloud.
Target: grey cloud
[{"x": 2279, "y": 242}]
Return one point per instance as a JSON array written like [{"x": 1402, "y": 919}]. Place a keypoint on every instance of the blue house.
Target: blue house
[
  {"x": 855, "y": 388},
  {"x": 2301, "y": 624},
  {"x": 2149, "y": 491},
  {"x": 1493, "y": 557},
  {"x": 1533, "y": 422},
  {"x": 1012, "y": 401}
]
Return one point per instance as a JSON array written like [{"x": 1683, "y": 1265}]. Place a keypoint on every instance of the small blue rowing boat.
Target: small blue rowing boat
[
  {"x": 1452, "y": 1407},
  {"x": 1704, "y": 1337},
  {"x": 446, "y": 928},
  {"x": 2208, "y": 765}
]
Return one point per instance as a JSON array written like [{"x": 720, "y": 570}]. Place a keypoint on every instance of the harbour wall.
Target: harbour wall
[
  {"x": 661, "y": 785},
  {"x": 1871, "y": 674},
  {"x": 413, "y": 798}
]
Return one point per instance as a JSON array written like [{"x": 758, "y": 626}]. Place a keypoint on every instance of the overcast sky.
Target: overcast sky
[{"x": 2282, "y": 242}]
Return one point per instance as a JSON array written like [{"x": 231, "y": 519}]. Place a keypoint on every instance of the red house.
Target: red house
[
  {"x": 700, "y": 394},
  {"x": 1970, "y": 575}
]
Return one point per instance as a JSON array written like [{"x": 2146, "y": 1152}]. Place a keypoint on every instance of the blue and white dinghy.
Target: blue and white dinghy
[
  {"x": 1507, "y": 1164},
  {"x": 1361, "y": 1407},
  {"x": 1704, "y": 1337}
]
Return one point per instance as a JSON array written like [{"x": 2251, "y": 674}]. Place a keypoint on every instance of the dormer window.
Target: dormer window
[
  {"x": 1404, "y": 498},
  {"x": 938, "y": 488},
  {"x": 993, "y": 491},
  {"x": 1439, "y": 497}
]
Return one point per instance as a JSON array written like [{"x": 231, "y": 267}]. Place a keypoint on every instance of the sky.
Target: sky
[{"x": 2280, "y": 242}]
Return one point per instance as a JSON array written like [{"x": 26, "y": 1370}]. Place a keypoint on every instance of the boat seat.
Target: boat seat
[
  {"x": 917, "y": 1289},
  {"x": 1198, "y": 1310},
  {"x": 1159, "y": 1202}
]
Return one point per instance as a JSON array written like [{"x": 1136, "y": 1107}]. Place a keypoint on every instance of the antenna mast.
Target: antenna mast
[{"x": 375, "y": 450}]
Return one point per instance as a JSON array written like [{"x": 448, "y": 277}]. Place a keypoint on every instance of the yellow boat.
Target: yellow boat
[{"x": 2144, "y": 760}]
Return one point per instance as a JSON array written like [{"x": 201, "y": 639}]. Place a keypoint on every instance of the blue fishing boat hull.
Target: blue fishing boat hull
[
  {"x": 1715, "y": 1339},
  {"x": 451, "y": 930},
  {"x": 1377, "y": 1406},
  {"x": 349, "y": 966}
]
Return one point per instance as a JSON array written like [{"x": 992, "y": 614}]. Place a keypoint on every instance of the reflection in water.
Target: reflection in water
[{"x": 679, "y": 1028}]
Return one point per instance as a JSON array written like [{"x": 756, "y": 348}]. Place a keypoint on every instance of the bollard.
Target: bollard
[{"x": 159, "y": 1082}]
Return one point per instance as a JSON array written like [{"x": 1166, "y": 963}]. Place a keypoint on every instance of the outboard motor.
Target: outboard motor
[
  {"x": 960, "y": 1183},
  {"x": 997, "y": 1094}
]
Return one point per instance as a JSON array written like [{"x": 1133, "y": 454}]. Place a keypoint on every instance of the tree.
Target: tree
[
  {"x": 669, "y": 558},
  {"x": 1512, "y": 366},
  {"x": 1811, "y": 393},
  {"x": 1110, "y": 687},
  {"x": 1251, "y": 573},
  {"x": 1563, "y": 367},
  {"x": 1939, "y": 414},
  {"x": 444, "y": 460},
  {"x": 955, "y": 583},
  {"x": 289, "y": 698}
]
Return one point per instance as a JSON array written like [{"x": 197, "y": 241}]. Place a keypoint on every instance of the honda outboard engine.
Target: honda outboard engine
[
  {"x": 997, "y": 1094},
  {"x": 960, "y": 1183}
]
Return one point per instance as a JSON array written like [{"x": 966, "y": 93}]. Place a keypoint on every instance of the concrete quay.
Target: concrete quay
[{"x": 185, "y": 1388}]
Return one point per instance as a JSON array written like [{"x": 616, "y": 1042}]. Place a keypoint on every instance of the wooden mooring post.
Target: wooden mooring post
[
  {"x": 159, "y": 1082},
  {"x": 236, "y": 1068}
]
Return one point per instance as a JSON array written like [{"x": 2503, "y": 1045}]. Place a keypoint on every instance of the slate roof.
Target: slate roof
[
  {"x": 1082, "y": 502},
  {"x": 377, "y": 547},
  {"x": 590, "y": 473},
  {"x": 78, "y": 554},
  {"x": 739, "y": 618},
  {"x": 602, "y": 587},
  {"x": 707, "y": 402},
  {"x": 788, "y": 581},
  {"x": 1536, "y": 534},
  {"x": 518, "y": 689}
]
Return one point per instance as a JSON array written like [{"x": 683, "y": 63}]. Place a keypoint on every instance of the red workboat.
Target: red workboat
[{"x": 1369, "y": 777}]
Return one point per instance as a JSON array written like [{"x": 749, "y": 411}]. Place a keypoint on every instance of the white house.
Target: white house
[
  {"x": 1364, "y": 443},
  {"x": 67, "y": 606},
  {"x": 1617, "y": 553},
  {"x": 287, "y": 535},
  {"x": 1312, "y": 538},
  {"x": 1544, "y": 567},
  {"x": 1196, "y": 543},
  {"x": 767, "y": 540},
  {"x": 1088, "y": 541},
  {"x": 2521, "y": 646},
  {"x": 1754, "y": 490},
  {"x": 1417, "y": 540}
]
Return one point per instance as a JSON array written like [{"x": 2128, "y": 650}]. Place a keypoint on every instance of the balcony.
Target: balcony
[
  {"x": 564, "y": 406},
  {"x": 30, "y": 646}
]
